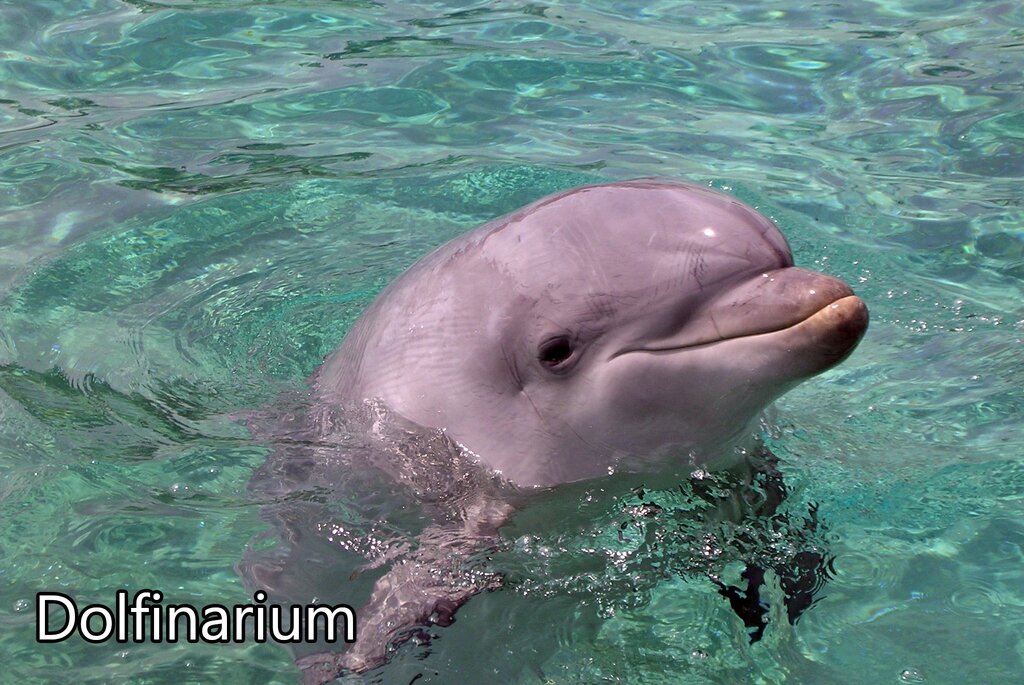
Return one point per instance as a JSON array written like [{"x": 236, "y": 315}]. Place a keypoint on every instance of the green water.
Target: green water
[{"x": 198, "y": 198}]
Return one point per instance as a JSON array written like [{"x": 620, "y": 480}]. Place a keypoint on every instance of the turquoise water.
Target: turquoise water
[{"x": 199, "y": 197}]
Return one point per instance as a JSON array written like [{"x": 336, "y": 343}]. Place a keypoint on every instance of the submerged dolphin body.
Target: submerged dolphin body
[{"x": 632, "y": 327}]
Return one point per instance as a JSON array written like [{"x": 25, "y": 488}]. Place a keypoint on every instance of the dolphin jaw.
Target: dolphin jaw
[
  {"x": 822, "y": 302},
  {"x": 834, "y": 329}
]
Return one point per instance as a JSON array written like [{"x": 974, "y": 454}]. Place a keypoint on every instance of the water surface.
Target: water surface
[{"x": 199, "y": 197}]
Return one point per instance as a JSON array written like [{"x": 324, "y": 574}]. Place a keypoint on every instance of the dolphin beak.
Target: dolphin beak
[
  {"x": 814, "y": 320},
  {"x": 832, "y": 332},
  {"x": 811, "y": 313},
  {"x": 776, "y": 300}
]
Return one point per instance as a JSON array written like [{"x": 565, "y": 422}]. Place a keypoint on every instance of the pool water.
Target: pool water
[{"x": 199, "y": 197}]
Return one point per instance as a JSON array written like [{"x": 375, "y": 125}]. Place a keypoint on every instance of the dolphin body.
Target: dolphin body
[{"x": 638, "y": 327}]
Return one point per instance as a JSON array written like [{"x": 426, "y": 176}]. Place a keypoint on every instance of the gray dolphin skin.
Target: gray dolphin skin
[{"x": 628, "y": 327}]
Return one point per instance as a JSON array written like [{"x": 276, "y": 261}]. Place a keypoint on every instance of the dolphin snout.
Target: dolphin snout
[
  {"x": 819, "y": 321},
  {"x": 836, "y": 328},
  {"x": 770, "y": 302},
  {"x": 775, "y": 300}
]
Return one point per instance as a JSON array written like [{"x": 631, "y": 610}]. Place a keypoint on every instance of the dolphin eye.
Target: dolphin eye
[{"x": 555, "y": 351}]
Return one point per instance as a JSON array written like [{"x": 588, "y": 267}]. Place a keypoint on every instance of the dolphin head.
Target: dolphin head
[{"x": 606, "y": 327}]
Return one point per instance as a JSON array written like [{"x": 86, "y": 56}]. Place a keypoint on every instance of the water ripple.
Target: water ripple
[{"x": 199, "y": 198}]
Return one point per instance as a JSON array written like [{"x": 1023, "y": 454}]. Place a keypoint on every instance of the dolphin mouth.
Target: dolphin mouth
[
  {"x": 835, "y": 329},
  {"x": 833, "y": 320}
]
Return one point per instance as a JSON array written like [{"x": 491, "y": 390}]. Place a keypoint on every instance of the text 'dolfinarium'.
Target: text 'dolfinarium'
[{"x": 145, "y": 619}]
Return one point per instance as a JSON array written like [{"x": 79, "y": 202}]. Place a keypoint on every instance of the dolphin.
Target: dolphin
[
  {"x": 601, "y": 328},
  {"x": 637, "y": 327}
]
